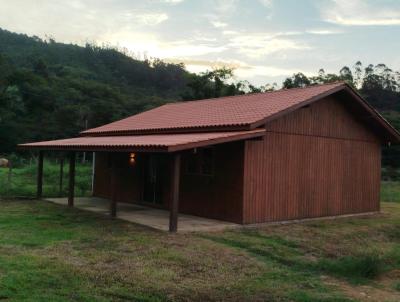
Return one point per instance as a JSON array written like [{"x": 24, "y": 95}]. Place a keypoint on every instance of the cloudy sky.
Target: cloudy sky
[{"x": 264, "y": 40}]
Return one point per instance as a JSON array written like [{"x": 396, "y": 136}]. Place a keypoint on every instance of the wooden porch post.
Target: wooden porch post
[
  {"x": 61, "y": 176},
  {"x": 113, "y": 183},
  {"x": 173, "y": 216},
  {"x": 71, "y": 185},
  {"x": 39, "y": 183}
]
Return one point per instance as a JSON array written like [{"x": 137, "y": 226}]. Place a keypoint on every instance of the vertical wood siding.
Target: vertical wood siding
[
  {"x": 128, "y": 178},
  {"x": 328, "y": 118},
  {"x": 219, "y": 196},
  {"x": 317, "y": 161}
]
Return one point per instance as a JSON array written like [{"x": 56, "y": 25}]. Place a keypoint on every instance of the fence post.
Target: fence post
[{"x": 71, "y": 185}]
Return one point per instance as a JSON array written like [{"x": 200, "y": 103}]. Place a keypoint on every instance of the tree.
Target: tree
[
  {"x": 40, "y": 68},
  {"x": 358, "y": 74},
  {"x": 211, "y": 84},
  {"x": 297, "y": 80},
  {"x": 346, "y": 75}
]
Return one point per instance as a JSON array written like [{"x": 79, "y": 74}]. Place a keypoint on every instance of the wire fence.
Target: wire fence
[{"x": 21, "y": 181}]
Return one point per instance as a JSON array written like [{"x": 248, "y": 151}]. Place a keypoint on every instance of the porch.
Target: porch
[
  {"x": 150, "y": 217},
  {"x": 127, "y": 173}
]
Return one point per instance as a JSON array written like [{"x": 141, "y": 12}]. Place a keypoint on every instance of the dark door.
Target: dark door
[{"x": 152, "y": 192}]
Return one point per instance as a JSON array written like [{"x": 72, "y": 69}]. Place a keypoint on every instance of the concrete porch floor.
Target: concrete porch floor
[{"x": 154, "y": 218}]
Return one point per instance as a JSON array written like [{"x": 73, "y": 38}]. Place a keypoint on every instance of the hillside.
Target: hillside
[{"x": 52, "y": 90}]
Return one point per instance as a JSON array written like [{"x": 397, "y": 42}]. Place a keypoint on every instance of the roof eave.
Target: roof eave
[
  {"x": 149, "y": 148},
  {"x": 211, "y": 142},
  {"x": 152, "y": 149},
  {"x": 181, "y": 130}
]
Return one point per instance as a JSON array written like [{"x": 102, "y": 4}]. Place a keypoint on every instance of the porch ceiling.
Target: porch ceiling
[{"x": 144, "y": 143}]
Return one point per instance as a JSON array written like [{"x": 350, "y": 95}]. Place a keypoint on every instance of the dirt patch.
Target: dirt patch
[{"x": 371, "y": 292}]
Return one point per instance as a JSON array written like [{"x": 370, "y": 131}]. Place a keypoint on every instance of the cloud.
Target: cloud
[
  {"x": 171, "y": 1},
  {"x": 241, "y": 69},
  {"x": 225, "y": 7},
  {"x": 144, "y": 18},
  {"x": 361, "y": 13},
  {"x": 206, "y": 64},
  {"x": 230, "y": 32},
  {"x": 252, "y": 71},
  {"x": 323, "y": 31},
  {"x": 266, "y": 3},
  {"x": 78, "y": 21},
  {"x": 219, "y": 24},
  {"x": 256, "y": 45},
  {"x": 150, "y": 45},
  {"x": 150, "y": 18}
]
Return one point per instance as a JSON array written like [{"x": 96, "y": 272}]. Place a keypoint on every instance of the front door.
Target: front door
[{"x": 152, "y": 192}]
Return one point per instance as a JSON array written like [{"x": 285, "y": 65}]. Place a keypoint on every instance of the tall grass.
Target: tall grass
[
  {"x": 390, "y": 191},
  {"x": 354, "y": 268},
  {"x": 22, "y": 181}
]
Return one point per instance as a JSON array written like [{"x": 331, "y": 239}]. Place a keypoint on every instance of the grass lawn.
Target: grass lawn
[{"x": 53, "y": 253}]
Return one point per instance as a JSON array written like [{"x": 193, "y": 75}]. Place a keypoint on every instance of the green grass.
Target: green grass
[
  {"x": 355, "y": 268},
  {"x": 54, "y": 253},
  {"x": 22, "y": 182},
  {"x": 390, "y": 191},
  {"x": 396, "y": 285}
]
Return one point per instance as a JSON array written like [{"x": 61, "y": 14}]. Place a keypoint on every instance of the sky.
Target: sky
[{"x": 263, "y": 40}]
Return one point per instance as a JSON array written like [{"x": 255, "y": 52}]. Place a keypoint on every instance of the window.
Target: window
[{"x": 200, "y": 162}]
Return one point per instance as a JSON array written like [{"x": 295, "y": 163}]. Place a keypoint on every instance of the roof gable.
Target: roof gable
[{"x": 329, "y": 117}]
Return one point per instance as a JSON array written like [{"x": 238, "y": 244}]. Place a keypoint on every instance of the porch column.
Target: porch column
[
  {"x": 173, "y": 217},
  {"x": 71, "y": 185},
  {"x": 39, "y": 183},
  {"x": 113, "y": 184},
  {"x": 60, "y": 182}
]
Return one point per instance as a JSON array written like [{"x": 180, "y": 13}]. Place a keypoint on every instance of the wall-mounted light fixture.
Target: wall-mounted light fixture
[{"x": 132, "y": 158}]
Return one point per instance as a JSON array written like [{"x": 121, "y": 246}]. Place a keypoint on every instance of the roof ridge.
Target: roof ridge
[{"x": 258, "y": 93}]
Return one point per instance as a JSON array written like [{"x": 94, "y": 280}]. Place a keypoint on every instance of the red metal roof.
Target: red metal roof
[
  {"x": 242, "y": 111},
  {"x": 157, "y": 142}
]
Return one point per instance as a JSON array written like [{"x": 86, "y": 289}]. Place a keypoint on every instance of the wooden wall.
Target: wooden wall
[
  {"x": 218, "y": 196},
  {"x": 316, "y": 161},
  {"x": 328, "y": 118},
  {"x": 128, "y": 178}
]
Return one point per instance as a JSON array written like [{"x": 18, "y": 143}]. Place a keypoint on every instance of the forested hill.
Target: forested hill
[{"x": 53, "y": 90}]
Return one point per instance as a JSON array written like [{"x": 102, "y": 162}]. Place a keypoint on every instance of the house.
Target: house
[{"x": 274, "y": 156}]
